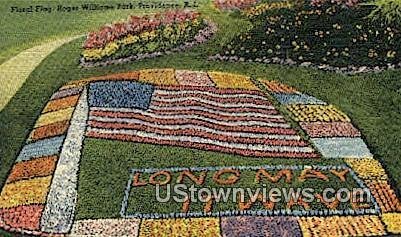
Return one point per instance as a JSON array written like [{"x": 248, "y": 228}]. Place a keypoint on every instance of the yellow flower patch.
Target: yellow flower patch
[
  {"x": 232, "y": 81},
  {"x": 158, "y": 76},
  {"x": 53, "y": 117},
  {"x": 130, "y": 39},
  {"x": 367, "y": 168},
  {"x": 180, "y": 227},
  {"x": 95, "y": 54},
  {"x": 24, "y": 192},
  {"x": 317, "y": 113},
  {"x": 341, "y": 226},
  {"x": 392, "y": 222}
]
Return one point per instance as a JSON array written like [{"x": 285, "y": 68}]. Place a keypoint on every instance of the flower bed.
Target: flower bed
[
  {"x": 234, "y": 4},
  {"x": 217, "y": 113},
  {"x": 144, "y": 37},
  {"x": 330, "y": 36},
  {"x": 265, "y": 7}
]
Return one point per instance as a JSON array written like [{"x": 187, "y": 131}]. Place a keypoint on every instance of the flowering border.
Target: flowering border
[
  {"x": 203, "y": 35},
  {"x": 350, "y": 70},
  {"x": 37, "y": 151}
]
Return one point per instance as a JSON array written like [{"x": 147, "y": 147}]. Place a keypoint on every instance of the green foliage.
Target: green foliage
[
  {"x": 388, "y": 11},
  {"x": 330, "y": 34}
]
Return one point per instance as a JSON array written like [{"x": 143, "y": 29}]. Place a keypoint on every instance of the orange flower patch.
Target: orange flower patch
[
  {"x": 384, "y": 195},
  {"x": 51, "y": 130},
  {"x": 24, "y": 217},
  {"x": 33, "y": 168},
  {"x": 341, "y": 226},
  {"x": 134, "y": 75},
  {"x": 277, "y": 87},
  {"x": 62, "y": 103},
  {"x": 126, "y": 76}
]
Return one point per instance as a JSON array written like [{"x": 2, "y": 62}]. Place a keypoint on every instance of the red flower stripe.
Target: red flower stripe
[
  {"x": 181, "y": 112},
  {"x": 209, "y": 106},
  {"x": 196, "y": 122},
  {"x": 198, "y": 133},
  {"x": 332, "y": 129},
  {"x": 208, "y": 147}
]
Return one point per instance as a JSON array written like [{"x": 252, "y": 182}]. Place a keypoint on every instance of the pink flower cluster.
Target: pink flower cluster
[
  {"x": 134, "y": 25},
  {"x": 348, "y": 3},
  {"x": 234, "y": 4}
]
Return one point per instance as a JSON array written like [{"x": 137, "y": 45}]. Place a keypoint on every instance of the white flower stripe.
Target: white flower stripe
[
  {"x": 155, "y": 108},
  {"x": 209, "y": 102},
  {"x": 194, "y": 117}
]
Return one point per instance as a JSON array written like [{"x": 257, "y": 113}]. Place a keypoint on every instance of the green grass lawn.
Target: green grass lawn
[
  {"x": 373, "y": 101},
  {"x": 20, "y": 31},
  {"x": 105, "y": 167}
]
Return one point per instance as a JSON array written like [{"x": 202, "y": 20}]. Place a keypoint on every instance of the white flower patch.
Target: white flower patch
[{"x": 59, "y": 212}]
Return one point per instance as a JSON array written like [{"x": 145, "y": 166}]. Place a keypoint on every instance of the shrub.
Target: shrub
[
  {"x": 387, "y": 10},
  {"x": 347, "y": 3},
  {"x": 330, "y": 33}
]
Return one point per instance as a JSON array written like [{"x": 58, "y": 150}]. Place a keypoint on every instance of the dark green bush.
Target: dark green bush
[{"x": 329, "y": 34}]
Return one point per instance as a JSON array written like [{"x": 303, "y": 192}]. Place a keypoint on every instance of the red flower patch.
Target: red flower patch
[{"x": 25, "y": 217}]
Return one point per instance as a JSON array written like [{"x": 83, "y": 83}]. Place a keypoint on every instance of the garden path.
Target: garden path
[{"x": 16, "y": 70}]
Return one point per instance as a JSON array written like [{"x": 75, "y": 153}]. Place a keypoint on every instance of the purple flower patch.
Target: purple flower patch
[
  {"x": 120, "y": 94},
  {"x": 258, "y": 226}
]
